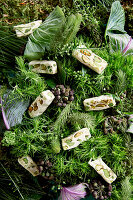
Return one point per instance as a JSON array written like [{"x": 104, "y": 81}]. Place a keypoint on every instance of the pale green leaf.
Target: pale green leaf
[
  {"x": 116, "y": 20},
  {"x": 43, "y": 37},
  {"x": 122, "y": 42},
  {"x": 55, "y": 32},
  {"x": 118, "y": 38}
]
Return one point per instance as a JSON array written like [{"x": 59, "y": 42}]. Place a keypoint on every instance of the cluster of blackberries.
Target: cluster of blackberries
[
  {"x": 100, "y": 190},
  {"x": 114, "y": 124},
  {"x": 45, "y": 169},
  {"x": 63, "y": 96}
]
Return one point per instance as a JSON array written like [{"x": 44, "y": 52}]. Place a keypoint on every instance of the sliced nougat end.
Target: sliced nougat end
[
  {"x": 99, "y": 103},
  {"x": 102, "y": 169},
  {"x": 130, "y": 123},
  {"x": 26, "y": 29},
  {"x": 44, "y": 66},
  {"x": 90, "y": 59},
  {"x": 75, "y": 139},
  {"x": 29, "y": 165},
  {"x": 41, "y": 103}
]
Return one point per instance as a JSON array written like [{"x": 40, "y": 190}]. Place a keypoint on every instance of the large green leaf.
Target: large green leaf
[
  {"x": 55, "y": 32},
  {"x": 13, "y": 108},
  {"x": 116, "y": 20},
  {"x": 68, "y": 31},
  {"x": 71, "y": 28},
  {"x": 118, "y": 38},
  {"x": 43, "y": 37}
]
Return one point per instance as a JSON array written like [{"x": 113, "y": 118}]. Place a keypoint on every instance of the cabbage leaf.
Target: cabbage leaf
[
  {"x": 118, "y": 38},
  {"x": 55, "y": 32},
  {"x": 122, "y": 42},
  {"x": 44, "y": 36},
  {"x": 12, "y": 108}
]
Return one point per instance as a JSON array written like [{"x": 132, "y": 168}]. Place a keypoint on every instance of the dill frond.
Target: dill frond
[
  {"x": 62, "y": 119},
  {"x": 121, "y": 83},
  {"x": 85, "y": 120},
  {"x": 126, "y": 189},
  {"x": 27, "y": 83}
]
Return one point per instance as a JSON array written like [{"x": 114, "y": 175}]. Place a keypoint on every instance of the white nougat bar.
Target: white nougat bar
[
  {"x": 99, "y": 103},
  {"x": 75, "y": 139},
  {"x": 41, "y": 103},
  {"x": 29, "y": 165},
  {"x": 90, "y": 59},
  {"x": 44, "y": 66},
  {"x": 130, "y": 122},
  {"x": 102, "y": 169},
  {"x": 26, "y": 29}
]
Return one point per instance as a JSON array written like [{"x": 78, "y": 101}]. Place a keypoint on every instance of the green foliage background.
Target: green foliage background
[{"x": 35, "y": 136}]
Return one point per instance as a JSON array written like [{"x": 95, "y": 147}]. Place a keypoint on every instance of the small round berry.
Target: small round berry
[
  {"x": 110, "y": 187},
  {"x": 109, "y": 194},
  {"x": 71, "y": 98},
  {"x": 58, "y": 97},
  {"x": 59, "y": 104},
  {"x": 71, "y": 92},
  {"x": 101, "y": 197},
  {"x": 63, "y": 91},
  {"x": 102, "y": 186},
  {"x": 57, "y": 92},
  {"x": 66, "y": 94},
  {"x": 95, "y": 184},
  {"x": 95, "y": 194},
  {"x": 65, "y": 99}
]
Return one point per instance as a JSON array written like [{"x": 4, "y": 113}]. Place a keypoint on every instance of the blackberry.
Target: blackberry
[
  {"x": 45, "y": 169},
  {"x": 63, "y": 96},
  {"x": 100, "y": 189},
  {"x": 115, "y": 124}
]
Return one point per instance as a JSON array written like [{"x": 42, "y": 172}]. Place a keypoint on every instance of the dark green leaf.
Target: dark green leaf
[
  {"x": 51, "y": 83},
  {"x": 61, "y": 73},
  {"x": 90, "y": 197}
]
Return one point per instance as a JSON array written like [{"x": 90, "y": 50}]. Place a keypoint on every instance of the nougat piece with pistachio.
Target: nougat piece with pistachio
[
  {"x": 26, "y": 29},
  {"x": 44, "y": 66},
  {"x": 29, "y": 165},
  {"x": 130, "y": 122},
  {"x": 99, "y": 103},
  {"x": 76, "y": 138},
  {"x": 41, "y": 103},
  {"x": 102, "y": 169},
  {"x": 90, "y": 59}
]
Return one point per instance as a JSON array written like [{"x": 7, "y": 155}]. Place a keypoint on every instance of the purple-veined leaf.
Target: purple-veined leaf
[
  {"x": 75, "y": 192},
  {"x": 3, "y": 115},
  {"x": 13, "y": 108},
  {"x": 122, "y": 42},
  {"x": 118, "y": 38}
]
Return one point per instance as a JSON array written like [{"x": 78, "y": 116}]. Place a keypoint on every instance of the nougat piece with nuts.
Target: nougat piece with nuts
[
  {"x": 76, "y": 138},
  {"x": 26, "y": 29},
  {"x": 99, "y": 103},
  {"x": 90, "y": 59},
  {"x": 44, "y": 66},
  {"x": 41, "y": 103},
  {"x": 102, "y": 169},
  {"x": 29, "y": 165}
]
